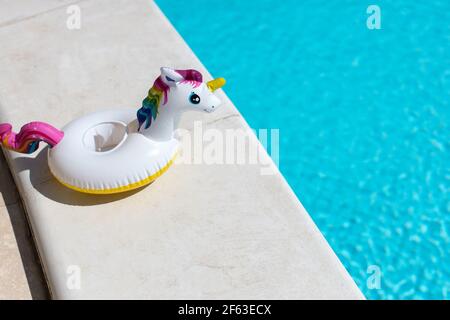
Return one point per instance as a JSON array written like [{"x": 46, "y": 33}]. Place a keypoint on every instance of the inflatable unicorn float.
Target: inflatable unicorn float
[{"x": 119, "y": 150}]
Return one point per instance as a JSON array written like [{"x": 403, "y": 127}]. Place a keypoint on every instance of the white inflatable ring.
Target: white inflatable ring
[
  {"x": 106, "y": 137},
  {"x": 119, "y": 150}
]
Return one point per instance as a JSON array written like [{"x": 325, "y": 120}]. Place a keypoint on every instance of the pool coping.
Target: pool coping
[{"x": 38, "y": 206}]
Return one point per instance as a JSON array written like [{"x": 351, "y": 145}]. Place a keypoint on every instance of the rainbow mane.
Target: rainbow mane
[{"x": 159, "y": 91}]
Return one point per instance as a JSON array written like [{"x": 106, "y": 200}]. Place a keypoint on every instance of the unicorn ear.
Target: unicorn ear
[{"x": 170, "y": 77}]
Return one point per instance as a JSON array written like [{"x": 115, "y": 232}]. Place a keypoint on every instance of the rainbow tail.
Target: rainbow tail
[{"x": 27, "y": 140}]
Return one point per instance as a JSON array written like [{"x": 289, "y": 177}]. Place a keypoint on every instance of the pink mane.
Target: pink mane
[
  {"x": 191, "y": 76},
  {"x": 193, "y": 83}
]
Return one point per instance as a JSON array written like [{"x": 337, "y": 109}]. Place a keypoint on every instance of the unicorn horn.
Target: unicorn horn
[{"x": 215, "y": 84}]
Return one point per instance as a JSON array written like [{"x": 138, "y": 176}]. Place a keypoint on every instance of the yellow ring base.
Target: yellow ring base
[{"x": 128, "y": 187}]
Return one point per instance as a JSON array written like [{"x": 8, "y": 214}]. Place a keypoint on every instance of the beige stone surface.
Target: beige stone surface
[
  {"x": 15, "y": 11},
  {"x": 200, "y": 231},
  {"x": 9, "y": 194},
  {"x": 13, "y": 281},
  {"x": 21, "y": 276}
]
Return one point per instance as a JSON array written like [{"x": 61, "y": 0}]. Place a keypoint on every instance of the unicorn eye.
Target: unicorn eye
[{"x": 193, "y": 98}]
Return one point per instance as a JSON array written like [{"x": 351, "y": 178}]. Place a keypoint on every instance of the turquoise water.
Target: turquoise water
[{"x": 364, "y": 121}]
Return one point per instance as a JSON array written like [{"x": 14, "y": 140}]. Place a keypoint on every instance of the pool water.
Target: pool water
[{"x": 364, "y": 121}]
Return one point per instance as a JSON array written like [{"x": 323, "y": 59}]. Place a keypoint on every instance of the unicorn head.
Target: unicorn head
[
  {"x": 174, "y": 92},
  {"x": 188, "y": 91}
]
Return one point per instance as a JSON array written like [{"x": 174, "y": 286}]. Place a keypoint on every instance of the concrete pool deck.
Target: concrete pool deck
[
  {"x": 200, "y": 231},
  {"x": 20, "y": 272}
]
